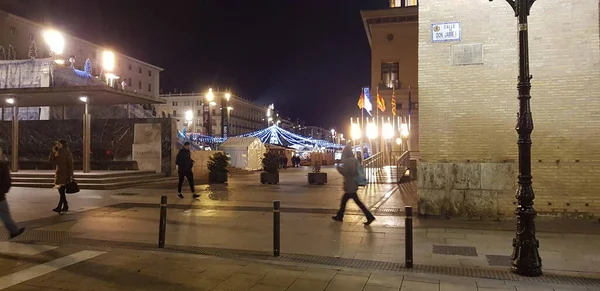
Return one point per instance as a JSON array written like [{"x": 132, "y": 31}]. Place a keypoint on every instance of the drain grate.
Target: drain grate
[
  {"x": 57, "y": 237},
  {"x": 500, "y": 261},
  {"x": 455, "y": 250}
]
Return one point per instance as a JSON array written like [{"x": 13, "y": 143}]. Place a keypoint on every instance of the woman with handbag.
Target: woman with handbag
[{"x": 62, "y": 159}]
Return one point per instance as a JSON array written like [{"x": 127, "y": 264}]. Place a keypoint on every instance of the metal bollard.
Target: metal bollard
[
  {"x": 276, "y": 227},
  {"x": 162, "y": 228},
  {"x": 408, "y": 237}
]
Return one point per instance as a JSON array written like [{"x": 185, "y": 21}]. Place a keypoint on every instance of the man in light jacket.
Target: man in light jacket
[{"x": 349, "y": 171}]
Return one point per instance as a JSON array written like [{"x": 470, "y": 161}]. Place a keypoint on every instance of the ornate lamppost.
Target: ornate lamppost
[{"x": 525, "y": 258}]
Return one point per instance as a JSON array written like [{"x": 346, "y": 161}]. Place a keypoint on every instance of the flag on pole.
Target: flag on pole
[
  {"x": 361, "y": 100},
  {"x": 380, "y": 102},
  {"x": 409, "y": 101},
  {"x": 366, "y": 100},
  {"x": 393, "y": 101}
]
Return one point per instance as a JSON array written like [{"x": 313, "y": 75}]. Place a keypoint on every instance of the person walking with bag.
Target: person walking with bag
[
  {"x": 5, "y": 183},
  {"x": 185, "y": 164},
  {"x": 62, "y": 159},
  {"x": 350, "y": 171}
]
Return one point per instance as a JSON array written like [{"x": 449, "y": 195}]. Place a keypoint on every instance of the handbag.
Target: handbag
[{"x": 72, "y": 187}]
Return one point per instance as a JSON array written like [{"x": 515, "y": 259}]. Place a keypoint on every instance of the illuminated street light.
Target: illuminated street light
[
  {"x": 83, "y": 99},
  {"x": 10, "y": 100},
  {"x": 404, "y": 130},
  {"x": 229, "y": 108},
  {"x": 398, "y": 141},
  {"x": 189, "y": 116},
  {"x": 387, "y": 131},
  {"x": 355, "y": 131},
  {"x": 372, "y": 131},
  {"x": 55, "y": 41},
  {"x": 108, "y": 61},
  {"x": 227, "y": 96},
  {"x": 210, "y": 96}
]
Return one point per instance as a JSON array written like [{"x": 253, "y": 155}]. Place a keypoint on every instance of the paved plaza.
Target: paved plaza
[{"x": 223, "y": 241}]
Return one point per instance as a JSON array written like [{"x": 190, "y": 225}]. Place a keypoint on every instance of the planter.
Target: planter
[
  {"x": 269, "y": 178},
  {"x": 317, "y": 178},
  {"x": 217, "y": 177}
]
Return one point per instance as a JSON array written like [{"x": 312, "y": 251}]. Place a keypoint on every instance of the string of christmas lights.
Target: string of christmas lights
[{"x": 270, "y": 135}]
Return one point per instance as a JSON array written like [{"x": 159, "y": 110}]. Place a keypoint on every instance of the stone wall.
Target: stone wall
[{"x": 468, "y": 112}]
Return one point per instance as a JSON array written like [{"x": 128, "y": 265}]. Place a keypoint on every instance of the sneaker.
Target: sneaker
[
  {"x": 337, "y": 219},
  {"x": 196, "y": 196},
  {"x": 180, "y": 195},
  {"x": 18, "y": 233},
  {"x": 369, "y": 221}
]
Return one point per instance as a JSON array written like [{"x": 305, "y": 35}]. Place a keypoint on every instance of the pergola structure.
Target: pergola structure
[{"x": 67, "y": 96}]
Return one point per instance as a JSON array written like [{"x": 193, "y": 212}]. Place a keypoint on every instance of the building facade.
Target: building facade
[
  {"x": 393, "y": 37},
  {"x": 18, "y": 32},
  {"x": 468, "y": 68},
  {"x": 244, "y": 116}
]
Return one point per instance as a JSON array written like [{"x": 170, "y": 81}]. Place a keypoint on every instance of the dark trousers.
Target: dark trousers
[
  {"x": 62, "y": 191},
  {"x": 189, "y": 175},
  {"x": 353, "y": 196}
]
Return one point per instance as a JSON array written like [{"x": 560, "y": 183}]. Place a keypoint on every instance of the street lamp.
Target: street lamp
[
  {"x": 355, "y": 131},
  {"x": 210, "y": 97},
  {"x": 10, "y": 101},
  {"x": 108, "y": 65},
  {"x": 55, "y": 41},
  {"x": 525, "y": 258},
  {"x": 372, "y": 130}
]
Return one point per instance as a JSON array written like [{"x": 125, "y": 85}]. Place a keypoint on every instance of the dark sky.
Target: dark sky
[{"x": 309, "y": 57}]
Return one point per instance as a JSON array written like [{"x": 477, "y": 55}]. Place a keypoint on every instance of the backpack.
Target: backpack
[{"x": 361, "y": 178}]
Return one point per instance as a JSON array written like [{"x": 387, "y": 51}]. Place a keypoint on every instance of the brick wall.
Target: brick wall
[{"x": 468, "y": 113}]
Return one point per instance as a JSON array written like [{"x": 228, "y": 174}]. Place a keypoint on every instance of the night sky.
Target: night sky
[{"x": 309, "y": 57}]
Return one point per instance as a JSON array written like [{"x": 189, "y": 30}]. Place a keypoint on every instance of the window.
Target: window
[
  {"x": 149, "y": 73},
  {"x": 199, "y": 112},
  {"x": 130, "y": 67},
  {"x": 403, "y": 3},
  {"x": 149, "y": 87},
  {"x": 129, "y": 82},
  {"x": 214, "y": 112},
  {"x": 13, "y": 31},
  {"x": 175, "y": 103},
  {"x": 140, "y": 85},
  {"x": 174, "y": 113},
  {"x": 140, "y": 69},
  {"x": 389, "y": 75}
]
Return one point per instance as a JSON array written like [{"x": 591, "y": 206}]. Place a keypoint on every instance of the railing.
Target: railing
[
  {"x": 373, "y": 165},
  {"x": 402, "y": 164}
]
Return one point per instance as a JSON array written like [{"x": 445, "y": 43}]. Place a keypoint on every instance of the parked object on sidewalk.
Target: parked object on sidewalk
[
  {"x": 162, "y": 226},
  {"x": 316, "y": 177},
  {"x": 276, "y": 228},
  {"x": 185, "y": 164},
  {"x": 62, "y": 159},
  {"x": 270, "y": 162},
  {"x": 349, "y": 170},
  {"x": 217, "y": 168},
  {"x": 5, "y": 184}
]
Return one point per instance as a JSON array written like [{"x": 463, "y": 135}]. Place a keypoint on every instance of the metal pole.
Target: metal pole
[
  {"x": 525, "y": 258},
  {"x": 162, "y": 227},
  {"x": 408, "y": 237},
  {"x": 128, "y": 110},
  {"x": 86, "y": 139},
  {"x": 276, "y": 227},
  {"x": 15, "y": 140}
]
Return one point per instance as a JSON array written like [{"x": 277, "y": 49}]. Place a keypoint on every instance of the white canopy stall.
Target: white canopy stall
[{"x": 245, "y": 152}]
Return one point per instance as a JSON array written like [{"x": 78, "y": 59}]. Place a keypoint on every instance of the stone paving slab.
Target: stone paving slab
[{"x": 141, "y": 270}]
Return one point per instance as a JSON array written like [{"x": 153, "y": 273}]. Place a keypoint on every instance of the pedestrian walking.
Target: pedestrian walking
[
  {"x": 349, "y": 170},
  {"x": 185, "y": 164},
  {"x": 285, "y": 162},
  {"x": 62, "y": 159},
  {"x": 5, "y": 183}
]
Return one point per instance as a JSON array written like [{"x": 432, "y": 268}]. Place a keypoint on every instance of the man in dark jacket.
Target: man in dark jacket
[
  {"x": 185, "y": 164},
  {"x": 5, "y": 183}
]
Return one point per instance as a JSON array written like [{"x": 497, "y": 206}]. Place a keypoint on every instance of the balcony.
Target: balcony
[{"x": 389, "y": 85}]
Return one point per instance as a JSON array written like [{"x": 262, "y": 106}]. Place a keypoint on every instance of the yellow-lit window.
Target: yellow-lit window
[{"x": 411, "y": 2}]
